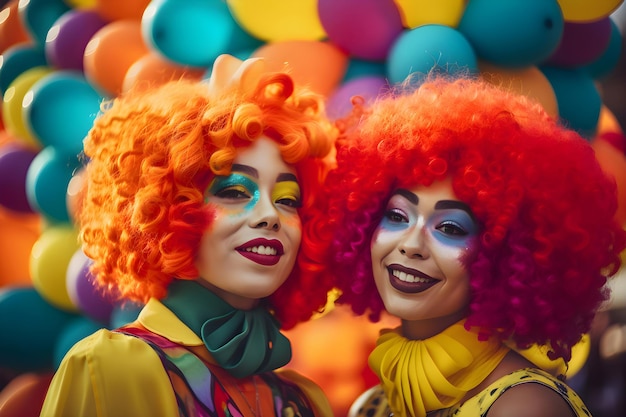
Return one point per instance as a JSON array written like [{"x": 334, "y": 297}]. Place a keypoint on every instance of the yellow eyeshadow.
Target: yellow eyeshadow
[{"x": 286, "y": 190}]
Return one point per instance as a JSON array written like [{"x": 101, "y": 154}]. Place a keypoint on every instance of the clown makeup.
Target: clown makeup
[
  {"x": 417, "y": 251},
  {"x": 251, "y": 246}
]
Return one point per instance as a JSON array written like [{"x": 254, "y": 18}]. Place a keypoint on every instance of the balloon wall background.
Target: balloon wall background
[{"x": 60, "y": 59}]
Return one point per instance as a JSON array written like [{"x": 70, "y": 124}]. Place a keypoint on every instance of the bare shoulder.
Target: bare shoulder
[{"x": 530, "y": 400}]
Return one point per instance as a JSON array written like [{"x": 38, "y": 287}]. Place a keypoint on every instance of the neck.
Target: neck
[
  {"x": 235, "y": 301},
  {"x": 425, "y": 329}
]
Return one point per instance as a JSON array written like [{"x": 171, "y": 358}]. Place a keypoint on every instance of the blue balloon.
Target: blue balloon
[
  {"x": 61, "y": 111},
  {"x": 38, "y": 16},
  {"x": 30, "y": 328},
  {"x": 577, "y": 97},
  {"x": 513, "y": 33},
  {"x": 358, "y": 68},
  {"x": 75, "y": 330},
  {"x": 193, "y": 32},
  {"x": 125, "y": 313},
  {"x": 430, "y": 48},
  {"x": 46, "y": 183},
  {"x": 17, "y": 59}
]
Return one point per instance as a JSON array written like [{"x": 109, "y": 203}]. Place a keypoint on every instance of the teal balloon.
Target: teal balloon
[
  {"x": 47, "y": 179},
  {"x": 608, "y": 60},
  {"x": 513, "y": 33},
  {"x": 123, "y": 314},
  {"x": 30, "y": 328},
  {"x": 74, "y": 331},
  {"x": 61, "y": 110},
  {"x": 193, "y": 32},
  {"x": 17, "y": 59},
  {"x": 577, "y": 97},
  {"x": 38, "y": 16},
  {"x": 429, "y": 48},
  {"x": 358, "y": 68}
]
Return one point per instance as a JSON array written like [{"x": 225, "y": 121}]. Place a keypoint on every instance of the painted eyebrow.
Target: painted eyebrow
[{"x": 253, "y": 172}]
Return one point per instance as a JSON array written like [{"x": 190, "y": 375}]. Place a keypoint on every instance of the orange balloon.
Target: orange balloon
[
  {"x": 153, "y": 69},
  {"x": 111, "y": 52},
  {"x": 613, "y": 162},
  {"x": 18, "y": 234},
  {"x": 528, "y": 81},
  {"x": 24, "y": 395},
  {"x": 12, "y": 30},
  {"x": 121, "y": 9},
  {"x": 315, "y": 64},
  {"x": 608, "y": 122}
]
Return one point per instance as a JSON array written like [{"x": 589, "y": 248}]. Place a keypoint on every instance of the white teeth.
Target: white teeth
[
  {"x": 262, "y": 250},
  {"x": 403, "y": 276}
]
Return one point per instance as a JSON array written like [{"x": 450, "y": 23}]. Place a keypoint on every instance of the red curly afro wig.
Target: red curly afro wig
[
  {"x": 151, "y": 155},
  {"x": 548, "y": 239}
]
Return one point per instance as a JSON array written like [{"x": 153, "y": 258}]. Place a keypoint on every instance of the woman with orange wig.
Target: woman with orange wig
[
  {"x": 198, "y": 203},
  {"x": 489, "y": 230}
]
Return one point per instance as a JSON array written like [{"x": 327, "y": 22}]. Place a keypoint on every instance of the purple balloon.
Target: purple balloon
[
  {"x": 340, "y": 102},
  {"x": 582, "y": 43},
  {"x": 14, "y": 163},
  {"x": 364, "y": 28},
  {"x": 68, "y": 37}
]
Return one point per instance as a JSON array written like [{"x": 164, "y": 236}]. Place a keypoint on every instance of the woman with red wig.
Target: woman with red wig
[
  {"x": 198, "y": 203},
  {"x": 489, "y": 230}
]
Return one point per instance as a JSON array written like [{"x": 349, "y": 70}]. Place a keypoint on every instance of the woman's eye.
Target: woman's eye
[
  {"x": 233, "y": 193},
  {"x": 396, "y": 216},
  {"x": 452, "y": 229},
  {"x": 290, "y": 202}
]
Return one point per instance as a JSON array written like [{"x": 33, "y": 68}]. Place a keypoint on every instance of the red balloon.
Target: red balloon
[
  {"x": 581, "y": 43},
  {"x": 24, "y": 395}
]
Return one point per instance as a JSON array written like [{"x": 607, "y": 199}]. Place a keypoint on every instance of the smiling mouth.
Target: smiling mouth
[
  {"x": 409, "y": 280},
  {"x": 265, "y": 252}
]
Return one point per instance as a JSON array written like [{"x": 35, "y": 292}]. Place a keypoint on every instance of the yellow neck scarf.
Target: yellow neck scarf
[{"x": 420, "y": 376}]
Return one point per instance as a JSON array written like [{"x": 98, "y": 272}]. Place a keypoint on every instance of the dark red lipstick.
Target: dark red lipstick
[{"x": 262, "y": 251}]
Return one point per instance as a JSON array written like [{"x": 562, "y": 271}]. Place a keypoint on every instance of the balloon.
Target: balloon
[
  {"x": 113, "y": 10},
  {"x": 578, "y": 99},
  {"x": 278, "y": 20},
  {"x": 38, "y": 16},
  {"x": 513, "y": 33},
  {"x": 24, "y": 395},
  {"x": 14, "y": 163},
  {"x": 12, "y": 30},
  {"x": 614, "y": 164},
  {"x": 77, "y": 329},
  {"x": 46, "y": 183},
  {"x": 31, "y": 327},
  {"x": 68, "y": 37},
  {"x": 529, "y": 81},
  {"x": 17, "y": 59},
  {"x": 339, "y": 103},
  {"x": 124, "y": 313},
  {"x": 12, "y": 104},
  {"x": 587, "y": 11},
  {"x": 361, "y": 68},
  {"x": 430, "y": 47},
  {"x": 193, "y": 32},
  {"x": 423, "y": 12},
  {"x": 110, "y": 53},
  {"x": 75, "y": 193},
  {"x": 83, "y": 292},
  {"x": 60, "y": 109},
  {"x": 608, "y": 60},
  {"x": 82, "y": 4},
  {"x": 581, "y": 43},
  {"x": 18, "y": 234},
  {"x": 49, "y": 260},
  {"x": 152, "y": 69},
  {"x": 609, "y": 126},
  {"x": 367, "y": 34},
  {"x": 318, "y": 65}
]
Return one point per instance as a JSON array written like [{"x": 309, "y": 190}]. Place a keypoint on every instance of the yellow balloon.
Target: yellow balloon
[
  {"x": 49, "y": 259},
  {"x": 81, "y": 4},
  {"x": 587, "y": 11},
  {"x": 528, "y": 81},
  {"x": 12, "y": 104},
  {"x": 278, "y": 20},
  {"x": 424, "y": 12}
]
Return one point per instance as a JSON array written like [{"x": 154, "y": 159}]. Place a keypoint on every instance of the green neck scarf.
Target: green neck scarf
[{"x": 244, "y": 342}]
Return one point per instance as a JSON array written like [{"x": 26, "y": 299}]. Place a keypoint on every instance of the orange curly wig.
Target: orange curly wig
[
  {"x": 549, "y": 238},
  {"x": 152, "y": 153}
]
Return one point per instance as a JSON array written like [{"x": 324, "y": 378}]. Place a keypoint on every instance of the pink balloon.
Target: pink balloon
[
  {"x": 364, "y": 28},
  {"x": 339, "y": 103},
  {"x": 581, "y": 43}
]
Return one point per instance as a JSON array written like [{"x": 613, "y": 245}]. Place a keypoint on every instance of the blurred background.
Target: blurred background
[{"x": 60, "y": 59}]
